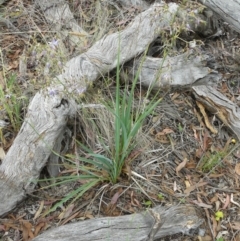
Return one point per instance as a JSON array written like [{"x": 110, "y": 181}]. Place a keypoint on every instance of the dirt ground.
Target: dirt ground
[{"x": 176, "y": 150}]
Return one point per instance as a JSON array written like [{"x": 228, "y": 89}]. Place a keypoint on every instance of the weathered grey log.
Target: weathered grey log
[
  {"x": 48, "y": 111},
  {"x": 221, "y": 106},
  {"x": 227, "y": 10},
  {"x": 61, "y": 20},
  {"x": 182, "y": 71},
  {"x": 134, "y": 3},
  {"x": 136, "y": 227}
]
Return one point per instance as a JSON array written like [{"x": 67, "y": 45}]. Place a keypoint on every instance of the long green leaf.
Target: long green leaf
[{"x": 75, "y": 194}]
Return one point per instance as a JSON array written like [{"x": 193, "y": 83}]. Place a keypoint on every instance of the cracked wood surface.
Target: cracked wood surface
[
  {"x": 221, "y": 106},
  {"x": 171, "y": 72},
  {"x": 135, "y": 227},
  {"x": 227, "y": 10}
]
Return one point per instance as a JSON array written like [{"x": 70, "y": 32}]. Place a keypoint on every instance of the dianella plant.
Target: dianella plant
[{"x": 107, "y": 166}]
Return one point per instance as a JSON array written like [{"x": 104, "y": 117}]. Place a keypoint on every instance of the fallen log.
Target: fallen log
[
  {"x": 179, "y": 72},
  {"x": 226, "y": 10},
  {"x": 136, "y": 227},
  {"x": 134, "y": 3},
  {"x": 216, "y": 103},
  {"x": 61, "y": 20}
]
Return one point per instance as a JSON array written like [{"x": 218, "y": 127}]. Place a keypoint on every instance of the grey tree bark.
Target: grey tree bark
[
  {"x": 136, "y": 227},
  {"x": 226, "y": 10}
]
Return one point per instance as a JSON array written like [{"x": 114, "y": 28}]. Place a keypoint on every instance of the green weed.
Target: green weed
[
  {"x": 211, "y": 160},
  {"x": 12, "y": 101},
  {"x": 108, "y": 166}
]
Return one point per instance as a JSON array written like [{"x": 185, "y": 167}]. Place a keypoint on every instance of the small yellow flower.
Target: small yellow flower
[
  {"x": 218, "y": 215},
  {"x": 233, "y": 141}
]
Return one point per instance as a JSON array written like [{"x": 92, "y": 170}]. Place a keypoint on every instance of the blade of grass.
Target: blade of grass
[{"x": 75, "y": 193}]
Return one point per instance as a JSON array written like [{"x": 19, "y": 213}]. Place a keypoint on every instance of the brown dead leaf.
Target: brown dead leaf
[
  {"x": 201, "y": 204},
  {"x": 181, "y": 165},
  {"x": 37, "y": 214},
  {"x": 127, "y": 170},
  {"x": 70, "y": 218},
  {"x": 193, "y": 187},
  {"x": 195, "y": 133},
  {"x": 207, "y": 122},
  {"x": 164, "y": 132},
  {"x": 191, "y": 164},
  {"x": 66, "y": 212},
  {"x": 89, "y": 215},
  {"x": 79, "y": 34},
  {"x": 27, "y": 230},
  {"x": 162, "y": 139},
  {"x": 123, "y": 22},
  {"x": 174, "y": 96},
  {"x": 12, "y": 224},
  {"x": 15, "y": 54},
  {"x": 134, "y": 201},
  {"x": 237, "y": 168},
  {"x": 198, "y": 117},
  {"x": 199, "y": 153},
  {"x": 13, "y": 65},
  {"x": 217, "y": 205},
  {"x": 214, "y": 199},
  {"x": 214, "y": 226},
  {"x": 187, "y": 183},
  {"x": 115, "y": 197},
  {"x": 235, "y": 225},
  {"x": 227, "y": 201},
  {"x": 111, "y": 208},
  {"x": 38, "y": 228},
  {"x": 207, "y": 141}
]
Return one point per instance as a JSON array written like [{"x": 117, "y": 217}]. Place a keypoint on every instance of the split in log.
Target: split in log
[
  {"x": 226, "y": 10},
  {"x": 171, "y": 72}
]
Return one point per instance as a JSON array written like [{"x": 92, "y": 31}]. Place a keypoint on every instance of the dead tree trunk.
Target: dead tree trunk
[
  {"x": 171, "y": 72},
  {"x": 226, "y": 10},
  {"x": 136, "y": 227}
]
